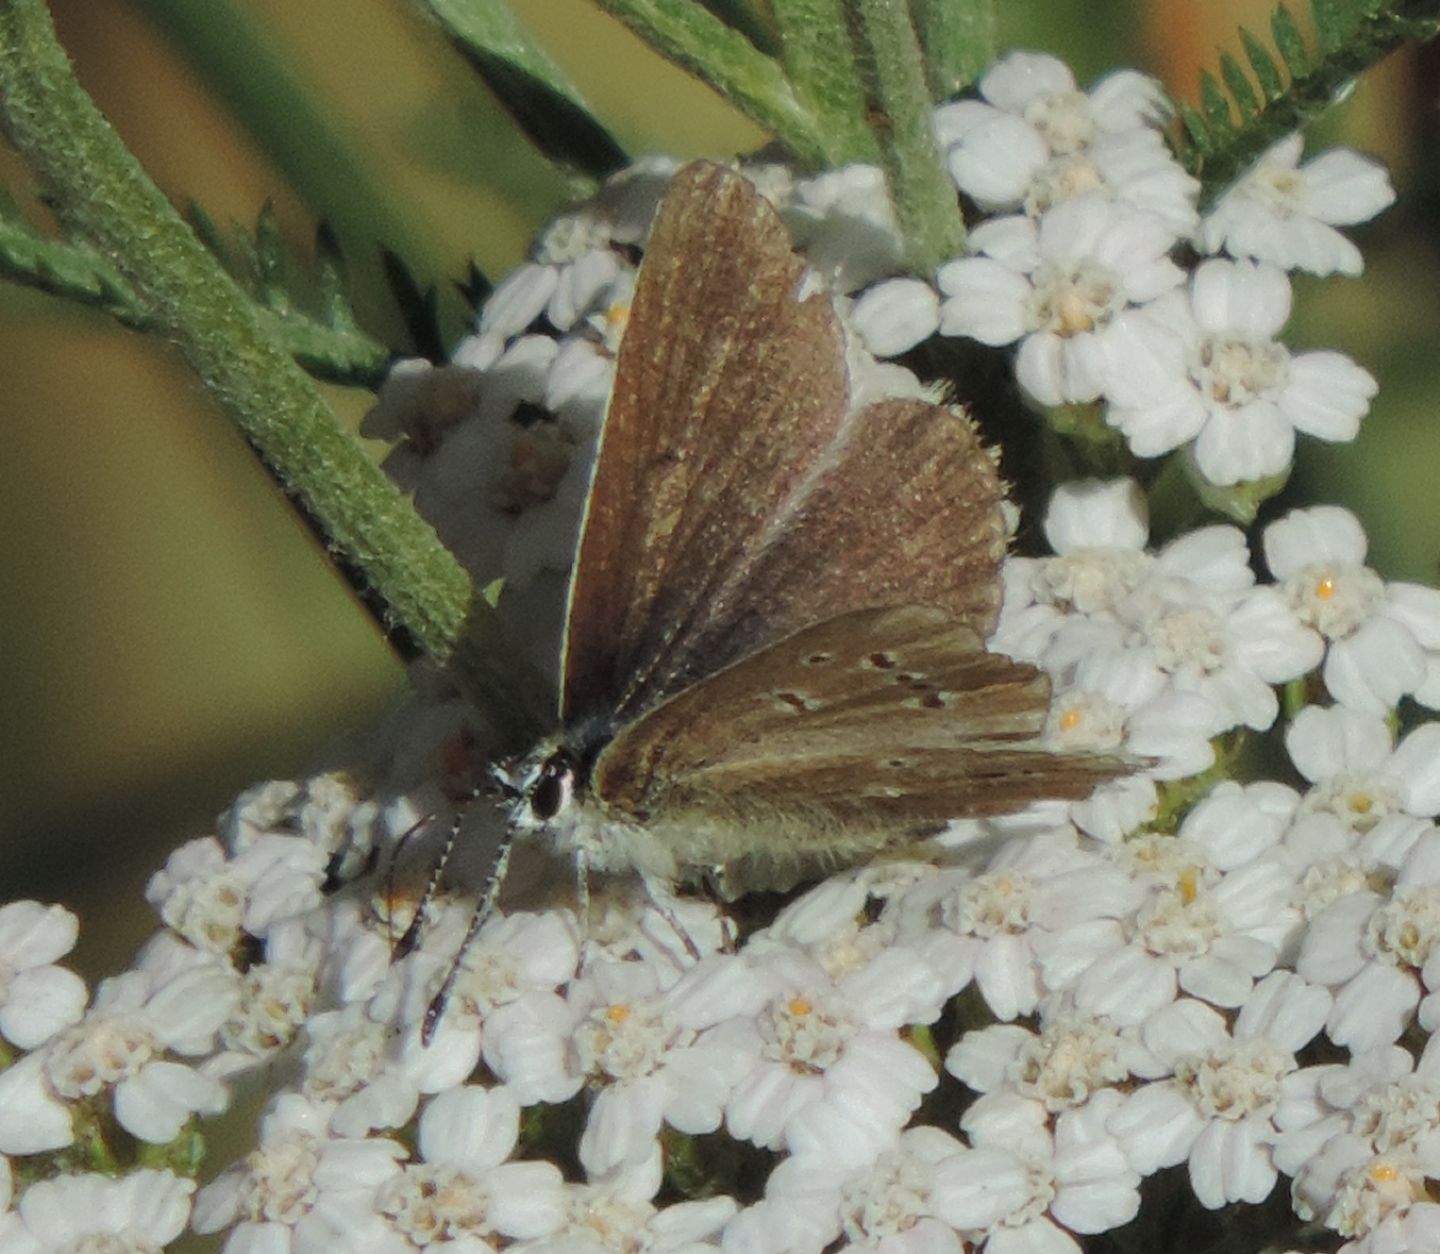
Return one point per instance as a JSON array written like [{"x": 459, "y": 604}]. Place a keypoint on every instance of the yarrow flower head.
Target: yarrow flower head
[
  {"x": 37, "y": 997},
  {"x": 1221, "y": 379},
  {"x": 1057, "y": 287},
  {"x": 1286, "y": 213},
  {"x": 126, "y": 1045},
  {"x": 1383, "y": 639},
  {"x": 1034, "y": 140},
  {"x": 145, "y": 1210}
]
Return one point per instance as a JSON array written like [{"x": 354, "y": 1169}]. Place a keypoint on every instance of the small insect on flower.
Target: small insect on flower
[{"x": 774, "y": 662}]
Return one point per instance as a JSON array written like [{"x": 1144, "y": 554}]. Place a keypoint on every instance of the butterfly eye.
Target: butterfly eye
[{"x": 551, "y": 790}]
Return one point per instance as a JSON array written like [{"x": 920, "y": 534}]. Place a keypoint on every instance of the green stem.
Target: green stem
[
  {"x": 821, "y": 66},
  {"x": 958, "y": 37},
  {"x": 926, "y": 206},
  {"x": 697, "y": 41},
  {"x": 102, "y": 196}
]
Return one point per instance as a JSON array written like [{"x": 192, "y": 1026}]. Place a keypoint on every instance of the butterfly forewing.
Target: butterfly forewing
[
  {"x": 728, "y": 389},
  {"x": 735, "y": 500}
]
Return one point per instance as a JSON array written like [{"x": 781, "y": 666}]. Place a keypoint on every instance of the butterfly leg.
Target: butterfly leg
[
  {"x": 659, "y": 898},
  {"x": 582, "y": 890},
  {"x": 710, "y": 883},
  {"x": 482, "y": 911},
  {"x": 411, "y": 937}
]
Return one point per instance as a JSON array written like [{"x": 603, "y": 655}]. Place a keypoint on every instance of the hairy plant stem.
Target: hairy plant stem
[{"x": 102, "y": 197}]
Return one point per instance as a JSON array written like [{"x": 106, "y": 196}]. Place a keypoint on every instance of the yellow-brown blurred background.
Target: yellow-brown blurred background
[{"x": 168, "y": 632}]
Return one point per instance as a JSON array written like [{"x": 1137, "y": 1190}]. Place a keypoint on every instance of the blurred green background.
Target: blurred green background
[{"x": 170, "y": 632}]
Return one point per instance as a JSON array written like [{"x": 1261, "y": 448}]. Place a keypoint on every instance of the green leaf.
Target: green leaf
[
  {"x": 697, "y": 41},
  {"x": 66, "y": 270},
  {"x": 231, "y": 47},
  {"x": 536, "y": 93},
  {"x": 270, "y": 265},
  {"x": 1333, "y": 23},
  {"x": 1239, "y": 84},
  {"x": 211, "y": 236},
  {"x": 749, "y": 19},
  {"x": 1267, "y": 73},
  {"x": 336, "y": 311},
  {"x": 1221, "y": 152},
  {"x": 101, "y": 194},
  {"x": 475, "y": 288},
  {"x": 420, "y": 308},
  {"x": 1290, "y": 42},
  {"x": 1194, "y": 123},
  {"x": 1215, "y": 104}
]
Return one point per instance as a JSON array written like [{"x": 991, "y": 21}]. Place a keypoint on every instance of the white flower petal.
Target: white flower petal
[
  {"x": 895, "y": 315},
  {"x": 1097, "y": 513},
  {"x": 985, "y": 300},
  {"x": 1241, "y": 297},
  {"x": 1343, "y": 187},
  {"x": 473, "y": 1127},
  {"x": 1018, "y": 78},
  {"x": 153, "y": 1104},
  {"x": 33, "y": 934},
  {"x": 39, "y": 1002},
  {"x": 1320, "y": 534},
  {"x": 1417, "y": 761},
  {"x": 1327, "y": 395},
  {"x": 1374, "y": 667},
  {"x": 1243, "y": 444},
  {"x": 997, "y": 160},
  {"x": 31, "y": 1120}
]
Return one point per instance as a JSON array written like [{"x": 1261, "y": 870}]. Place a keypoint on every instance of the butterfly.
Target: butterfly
[{"x": 774, "y": 661}]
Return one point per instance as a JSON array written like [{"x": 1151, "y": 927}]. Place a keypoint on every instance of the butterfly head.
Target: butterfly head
[
  {"x": 539, "y": 788},
  {"x": 544, "y": 790}
]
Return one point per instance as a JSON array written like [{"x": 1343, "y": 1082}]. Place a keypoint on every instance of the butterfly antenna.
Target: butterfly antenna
[{"x": 483, "y": 907}]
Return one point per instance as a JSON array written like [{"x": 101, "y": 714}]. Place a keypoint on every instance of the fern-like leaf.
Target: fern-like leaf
[
  {"x": 420, "y": 307},
  {"x": 1332, "y": 23},
  {"x": 546, "y": 106},
  {"x": 475, "y": 288},
  {"x": 336, "y": 311},
  {"x": 1214, "y": 104},
  {"x": 272, "y": 285},
  {"x": 1232, "y": 128},
  {"x": 1267, "y": 72},
  {"x": 1290, "y": 42},
  {"x": 1238, "y": 83}
]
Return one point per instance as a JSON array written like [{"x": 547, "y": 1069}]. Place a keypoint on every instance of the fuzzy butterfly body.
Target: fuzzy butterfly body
[{"x": 774, "y": 660}]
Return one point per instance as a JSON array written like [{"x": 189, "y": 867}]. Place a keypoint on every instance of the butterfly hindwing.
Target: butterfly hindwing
[
  {"x": 880, "y": 720},
  {"x": 904, "y": 510}
]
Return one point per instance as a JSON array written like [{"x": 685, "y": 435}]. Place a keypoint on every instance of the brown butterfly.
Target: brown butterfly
[{"x": 774, "y": 661}]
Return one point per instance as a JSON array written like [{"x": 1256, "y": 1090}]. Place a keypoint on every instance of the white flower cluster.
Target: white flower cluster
[
  {"x": 1162, "y": 652},
  {"x": 1086, "y": 262},
  {"x": 1154, "y": 1002},
  {"x": 1077, "y": 268},
  {"x": 1236, "y": 981}
]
